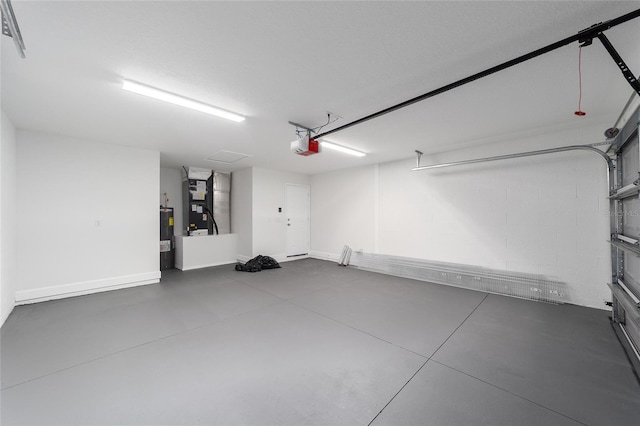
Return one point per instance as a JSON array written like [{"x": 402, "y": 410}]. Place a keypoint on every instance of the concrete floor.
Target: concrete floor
[{"x": 311, "y": 343}]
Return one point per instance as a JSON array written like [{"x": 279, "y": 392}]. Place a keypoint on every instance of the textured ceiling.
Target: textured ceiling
[{"x": 281, "y": 61}]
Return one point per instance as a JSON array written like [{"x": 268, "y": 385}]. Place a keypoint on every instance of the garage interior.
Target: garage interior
[{"x": 450, "y": 190}]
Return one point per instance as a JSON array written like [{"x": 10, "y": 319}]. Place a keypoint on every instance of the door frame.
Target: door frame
[{"x": 286, "y": 211}]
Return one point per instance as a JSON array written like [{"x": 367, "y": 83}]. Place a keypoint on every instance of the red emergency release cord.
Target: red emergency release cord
[{"x": 579, "y": 112}]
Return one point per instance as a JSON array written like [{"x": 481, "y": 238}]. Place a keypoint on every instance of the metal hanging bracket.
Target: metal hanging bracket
[
  {"x": 308, "y": 129},
  {"x": 588, "y": 148},
  {"x": 418, "y": 155},
  {"x": 10, "y": 26},
  {"x": 626, "y": 72},
  {"x": 582, "y": 36}
]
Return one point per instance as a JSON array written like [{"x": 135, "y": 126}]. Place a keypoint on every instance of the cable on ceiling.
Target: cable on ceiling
[
  {"x": 309, "y": 130},
  {"x": 579, "y": 112}
]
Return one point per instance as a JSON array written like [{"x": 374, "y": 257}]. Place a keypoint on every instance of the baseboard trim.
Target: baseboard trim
[
  {"x": 207, "y": 265},
  {"x": 322, "y": 255},
  {"x": 278, "y": 257},
  {"x": 284, "y": 258},
  {"x": 43, "y": 294},
  {"x": 281, "y": 257},
  {"x": 5, "y": 315}
]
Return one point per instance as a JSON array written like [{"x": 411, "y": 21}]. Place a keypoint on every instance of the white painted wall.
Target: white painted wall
[
  {"x": 256, "y": 195},
  {"x": 241, "y": 211},
  {"x": 269, "y": 225},
  {"x": 8, "y": 223},
  {"x": 543, "y": 215},
  {"x": 171, "y": 184},
  {"x": 343, "y": 211},
  {"x": 203, "y": 251},
  {"x": 88, "y": 216}
]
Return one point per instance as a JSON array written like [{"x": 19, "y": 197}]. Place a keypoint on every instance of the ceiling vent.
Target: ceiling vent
[{"x": 227, "y": 157}]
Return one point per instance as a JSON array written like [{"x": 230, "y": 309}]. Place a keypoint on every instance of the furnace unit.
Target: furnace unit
[
  {"x": 220, "y": 203},
  {"x": 195, "y": 193},
  {"x": 207, "y": 197},
  {"x": 167, "y": 242}
]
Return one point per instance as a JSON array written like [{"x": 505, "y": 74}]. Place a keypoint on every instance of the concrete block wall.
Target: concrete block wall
[{"x": 543, "y": 215}]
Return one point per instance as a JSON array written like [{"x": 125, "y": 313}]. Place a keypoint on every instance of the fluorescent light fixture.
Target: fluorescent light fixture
[
  {"x": 344, "y": 149},
  {"x": 179, "y": 100}
]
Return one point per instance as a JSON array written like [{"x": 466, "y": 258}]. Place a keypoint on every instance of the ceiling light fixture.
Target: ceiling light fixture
[
  {"x": 344, "y": 149},
  {"x": 152, "y": 92}
]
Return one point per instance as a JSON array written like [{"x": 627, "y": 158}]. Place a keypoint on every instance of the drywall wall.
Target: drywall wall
[
  {"x": 269, "y": 224},
  {"x": 257, "y": 194},
  {"x": 241, "y": 211},
  {"x": 344, "y": 211},
  {"x": 88, "y": 218},
  {"x": 544, "y": 215},
  {"x": 204, "y": 251},
  {"x": 171, "y": 185},
  {"x": 8, "y": 224}
]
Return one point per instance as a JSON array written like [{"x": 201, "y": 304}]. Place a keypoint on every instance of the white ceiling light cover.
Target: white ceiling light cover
[
  {"x": 152, "y": 92},
  {"x": 343, "y": 149}
]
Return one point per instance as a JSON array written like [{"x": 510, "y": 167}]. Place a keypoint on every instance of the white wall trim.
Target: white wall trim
[
  {"x": 376, "y": 208},
  {"x": 283, "y": 258},
  {"x": 42, "y": 294},
  {"x": 286, "y": 209},
  {"x": 333, "y": 257},
  {"x": 207, "y": 265},
  {"x": 278, "y": 257}
]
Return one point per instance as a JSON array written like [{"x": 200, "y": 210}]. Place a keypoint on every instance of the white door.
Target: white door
[{"x": 298, "y": 219}]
